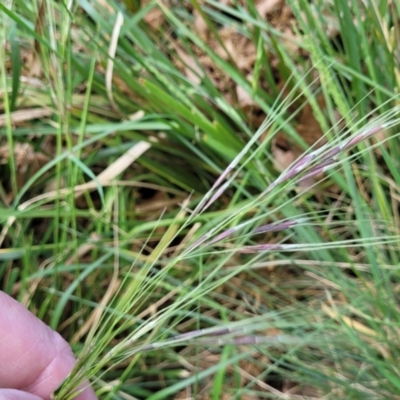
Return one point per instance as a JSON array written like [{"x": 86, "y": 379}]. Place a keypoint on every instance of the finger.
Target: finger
[
  {"x": 33, "y": 358},
  {"x": 13, "y": 394}
]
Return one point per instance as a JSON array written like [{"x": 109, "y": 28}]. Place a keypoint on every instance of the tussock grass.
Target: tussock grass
[{"x": 147, "y": 223}]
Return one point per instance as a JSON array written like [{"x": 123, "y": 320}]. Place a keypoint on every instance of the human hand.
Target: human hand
[{"x": 34, "y": 360}]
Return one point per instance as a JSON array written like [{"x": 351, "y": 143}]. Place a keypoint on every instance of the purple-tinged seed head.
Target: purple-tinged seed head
[
  {"x": 227, "y": 233},
  {"x": 202, "y": 332},
  {"x": 238, "y": 341},
  {"x": 319, "y": 169},
  {"x": 250, "y": 340},
  {"x": 198, "y": 242},
  {"x": 260, "y": 248},
  {"x": 222, "y": 235},
  {"x": 362, "y": 136},
  {"x": 200, "y": 206},
  {"x": 229, "y": 168},
  {"x": 217, "y": 194},
  {"x": 301, "y": 163},
  {"x": 222, "y": 177},
  {"x": 277, "y": 226},
  {"x": 286, "y": 176},
  {"x": 273, "y": 227},
  {"x": 333, "y": 152},
  {"x": 306, "y": 160}
]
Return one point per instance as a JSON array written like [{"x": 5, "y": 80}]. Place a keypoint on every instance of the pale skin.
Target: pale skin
[{"x": 34, "y": 360}]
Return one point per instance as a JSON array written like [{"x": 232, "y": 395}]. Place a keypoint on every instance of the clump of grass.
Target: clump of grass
[
  {"x": 235, "y": 263},
  {"x": 245, "y": 332}
]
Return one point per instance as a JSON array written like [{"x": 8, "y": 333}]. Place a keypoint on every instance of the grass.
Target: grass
[{"x": 145, "y": 221}]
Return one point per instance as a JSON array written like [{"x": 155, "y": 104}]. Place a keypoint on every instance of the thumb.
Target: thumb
[
  {"x": 32, "y": 356},
  {"x": 13, "y": 394}
]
